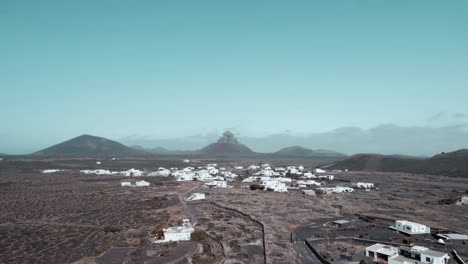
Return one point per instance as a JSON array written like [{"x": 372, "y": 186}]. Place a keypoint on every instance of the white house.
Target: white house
[
  {"x": 184, "y": 176},
  {"x": 161, "y": 172},
  {"x": 253, "y": 167},
  {"x": 463, "y": 200},
  {"x": 293, "y": 171},
  {"x": 313, "y": 183},
  {"x": 238, "y": 168},
  {"x": 318, "y": 170},
  {"x": 275, "y": 186},
  {"x": 365, "y": 185},
  {"x": 266, "y": 172},
  {"x": 341, "y": 189},
  {"x": 337, "y": 189},
  {"x": 249, "y": 179},
  {"x": 186, "y": 161},
  {"x": 213, "y": 171},
  {"x": 381, "y": 252},
  {"x": 51, "y": 171},
  {"x": 179, "y": 233},
  {"x": 280, "y": 169},
  {"x": 308, "y": 175},
  {"x": 418, "y": 255},
  {"x": 196, "y": 196},
  {"x": 132, "y": 172},
  {"x": 229, "y": 175},
  {"x": 216, "y": 184},
  {"x": 126, "y": 184},
  {"x": 283, "y": 179},
  {"x": 327, "y": 177},
  {"x": 410, "y": 228},
  {"x": 98, "y": 172},
  {"x": 142, "y": 183},
  {"x": 309, "y": 192},
  {"x": 98, "y": 162}
]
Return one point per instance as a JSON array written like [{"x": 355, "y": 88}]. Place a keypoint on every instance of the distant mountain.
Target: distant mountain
[
  {"x": 87, "y": 145},
  {"x": 298, "y": 151},
  {"x": 384, "y": 139},
  {"x": 227, "y": 145},
  {"x": 163, "y": 151},
  {"x": 226, "y": 148},
  {"x": 448, "y": 164}
]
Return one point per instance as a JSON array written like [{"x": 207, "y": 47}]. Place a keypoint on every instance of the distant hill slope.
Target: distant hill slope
[
  {"x": 87, "y": 145},
  {"x": 226, "y": 148},
  {"x": 164, "y": 151},
  {"x": 448, "y": 164},
  {"x": 298, "y": 151}
]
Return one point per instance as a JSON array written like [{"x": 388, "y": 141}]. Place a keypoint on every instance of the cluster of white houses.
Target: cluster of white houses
[
  {"x": 271, "y": 178},
  {"x": 406, "y": 255},
  {"x": 128, "y": 173},
  {"x": 277, "y": 179}
]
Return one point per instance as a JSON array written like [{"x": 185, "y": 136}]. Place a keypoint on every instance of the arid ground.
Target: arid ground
[{"x": 68, "y": 217}]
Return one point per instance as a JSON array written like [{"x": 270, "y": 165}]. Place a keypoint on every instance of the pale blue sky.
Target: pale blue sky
[{"x": 176, "y": 68}]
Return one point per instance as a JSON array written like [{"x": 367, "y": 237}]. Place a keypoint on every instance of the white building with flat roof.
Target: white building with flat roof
[
  {"x": 196, "y": 197},
  {"x": 178, "y": 233},
  {"x": 327, "y": 177},
  {"x": 318, "y": 170},
  {"x": 410, "y": 228},
  {"x": 274, "y": 185},
  {"x": 419, "y": 255},
  {"x": 216, "y": 184},
  {"x": 381, "y": 252},
  {"x": 463, "y": 200},
  {"x": 142, "y": 183},
  {"x": 365, "y": 185}
]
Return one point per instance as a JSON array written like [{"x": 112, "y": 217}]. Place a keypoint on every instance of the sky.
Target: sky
[{"x": 177, "y": 68}]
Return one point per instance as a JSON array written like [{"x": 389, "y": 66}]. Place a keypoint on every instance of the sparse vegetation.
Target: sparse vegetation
[
  {"x": 158, "y": 231},
  {"x": 112, "y": 229},
  {"x": 256, "y": 186},
  {"x": 197, "y": 236}
]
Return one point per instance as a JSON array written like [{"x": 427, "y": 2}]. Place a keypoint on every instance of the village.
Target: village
[{"x": 354, "y": 238}]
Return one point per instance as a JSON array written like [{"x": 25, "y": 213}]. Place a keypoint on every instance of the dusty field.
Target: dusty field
[
  {"x": 68, "y": 217},
  {"x": 400, "y": 196},
  {"x": 63, "y": 217}
]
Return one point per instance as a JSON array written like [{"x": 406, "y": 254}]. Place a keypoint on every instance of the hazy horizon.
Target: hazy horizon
[
  {"x": 119, "y": 69},
  {"x": 385, "y": 139}
]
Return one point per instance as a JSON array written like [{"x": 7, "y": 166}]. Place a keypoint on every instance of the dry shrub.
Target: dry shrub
[
  {"x": 158, "y": 231},
  {"x": 197, "y": 236},
  {"x": 112, "y": 229},
  {"x": 255, "y": 186},
  {"x": 216, "y": 216}
]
